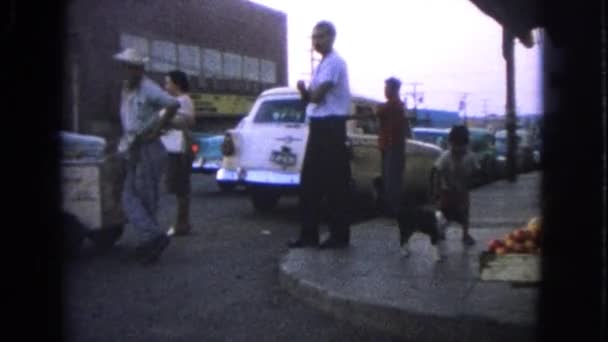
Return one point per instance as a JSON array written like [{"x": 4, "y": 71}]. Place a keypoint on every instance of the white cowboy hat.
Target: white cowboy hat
[{"x": 131, "y": 56}]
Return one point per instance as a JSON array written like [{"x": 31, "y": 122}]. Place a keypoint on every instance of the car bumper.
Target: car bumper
[
  {"x": 199, "y": 165},
  {"x": 259, "y": 177}
]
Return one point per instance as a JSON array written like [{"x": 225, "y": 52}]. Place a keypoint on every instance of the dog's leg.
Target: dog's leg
[
  {"x": 441, "y": 224},
  {"x": 404, "y": 236}
]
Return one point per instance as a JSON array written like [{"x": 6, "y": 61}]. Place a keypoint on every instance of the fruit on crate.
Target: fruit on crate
[
  {"x": 535, "y": 235},
  {"x": 534, "y": 223},
  {"x": 524, "y": 239},
  {"x": 501, "y": 250},
  {"x": 493, "y": 245},
  {"x": 519, "y": 248},
  {"x": 520, "y": 235},
  {"x": 529, "y": 246},
  {"x": 510, "y": 243}
]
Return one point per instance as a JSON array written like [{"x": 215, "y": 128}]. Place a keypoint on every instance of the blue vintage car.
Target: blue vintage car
[
  {"x": 527, "y": 155},
  {"x": 208, "y": 156},
  {"x": 481, "y": 143}
]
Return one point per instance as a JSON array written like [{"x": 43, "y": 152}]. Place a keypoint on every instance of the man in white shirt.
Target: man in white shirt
[{"x": 326, "y": 168}]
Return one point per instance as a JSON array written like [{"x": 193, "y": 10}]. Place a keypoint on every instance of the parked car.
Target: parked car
[
  {"x": 432, "y": 135},
  {"x": 527, "y": 156},
  {"x": 481, "y": 144},
  {"x": 208, "y": 156},
  {"x": 266, "y": 152}
]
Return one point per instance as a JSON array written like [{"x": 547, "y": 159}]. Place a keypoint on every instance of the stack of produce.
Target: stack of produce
[{"x": 525, "y": 239}]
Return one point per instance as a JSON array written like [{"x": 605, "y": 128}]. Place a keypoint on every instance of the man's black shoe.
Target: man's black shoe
[
  {"x": 151, "y": 254},
  {"x": 301, "y": 243},
  {"x": 333, "y": 243}
]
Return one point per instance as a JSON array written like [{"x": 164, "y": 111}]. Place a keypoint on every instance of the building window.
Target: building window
[
  {"x": 232, "y": 66},
  {"x": 163, "y": 56},
  {"x": 189, "y": 59},
  {"x": 212, "y": 63},
  {"x": 268, "y": 71},
  {"x": 251, "y": 68},
  {"x": 138, "y": 43}
]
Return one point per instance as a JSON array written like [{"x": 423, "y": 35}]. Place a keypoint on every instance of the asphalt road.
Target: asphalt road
[{"x": 218, "y": 284}]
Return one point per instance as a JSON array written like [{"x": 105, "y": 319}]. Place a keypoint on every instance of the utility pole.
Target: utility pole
[
  {"x": 462, "y": 107},
  {"x": 485, "y": 112},
  {"x": 485, "y": 107},
  {"x": 74, "y": 61},
  {"x": 414, "y": 95},
  {"x": 511, "y": 119}
]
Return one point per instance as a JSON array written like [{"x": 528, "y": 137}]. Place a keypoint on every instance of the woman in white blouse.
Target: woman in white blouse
[{"x": 177, "y": 141}]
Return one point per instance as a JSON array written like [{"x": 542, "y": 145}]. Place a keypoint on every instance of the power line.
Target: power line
[
  {"x": 417, "y": 99},
  {"x": 485, "y": 106}
]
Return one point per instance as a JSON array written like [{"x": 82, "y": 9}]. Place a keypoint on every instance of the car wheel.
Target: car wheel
[
  {"x": 106, "y": 237},
  {"x": 264, "y": 200},
  {"x": 226, "y": 186}
]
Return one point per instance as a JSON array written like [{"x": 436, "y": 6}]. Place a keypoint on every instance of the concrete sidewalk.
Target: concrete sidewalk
[{"x": 416, "y": 298}]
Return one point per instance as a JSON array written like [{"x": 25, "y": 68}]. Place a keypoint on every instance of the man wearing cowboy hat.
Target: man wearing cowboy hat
[{"x": 141, "y": 100}]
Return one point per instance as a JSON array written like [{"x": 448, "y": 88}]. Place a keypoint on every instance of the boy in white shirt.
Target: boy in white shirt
[{"x": 455, "y": 168}]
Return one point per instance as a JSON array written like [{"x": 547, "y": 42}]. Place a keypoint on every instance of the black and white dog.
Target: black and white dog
[
  {"x": 414, "y": 217},
  {"x": 424, "y": 219}
]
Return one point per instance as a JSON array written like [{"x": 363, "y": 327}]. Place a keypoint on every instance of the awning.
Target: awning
[{"x": 519, "y": 17}]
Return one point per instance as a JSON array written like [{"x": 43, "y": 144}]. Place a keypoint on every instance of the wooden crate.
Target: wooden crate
[
  {"x": 516, "y": 268},
  {"x": 91, "y": 191}
]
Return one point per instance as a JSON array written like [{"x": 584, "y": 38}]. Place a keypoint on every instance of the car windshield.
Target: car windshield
[{"x": 281, "y": 111}]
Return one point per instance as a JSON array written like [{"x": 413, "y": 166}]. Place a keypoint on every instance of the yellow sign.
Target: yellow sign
[{"x": 221, "y": 104}]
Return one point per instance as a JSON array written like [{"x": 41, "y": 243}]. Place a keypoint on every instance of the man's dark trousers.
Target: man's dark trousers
[
  {"x": 393, "y": 165},
  {"x": 326, "y": 174}
]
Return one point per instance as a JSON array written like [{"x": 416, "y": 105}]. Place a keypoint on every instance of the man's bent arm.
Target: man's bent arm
[
  {"x": 318, "y": 94},
  {"x": 157, "y": 126}
]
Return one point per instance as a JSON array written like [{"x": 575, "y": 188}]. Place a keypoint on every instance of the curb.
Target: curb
[
  {"x": 415, "y": 326},
  {"x": 480, "y": 224}
]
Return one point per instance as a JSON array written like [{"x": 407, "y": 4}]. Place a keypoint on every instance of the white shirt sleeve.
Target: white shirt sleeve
[
  {"x": 186, "y": 106},
  {"x": 442, "y": 162},
  {"x": 330, "y": 71},
  {"x": 158, "y": 96}
]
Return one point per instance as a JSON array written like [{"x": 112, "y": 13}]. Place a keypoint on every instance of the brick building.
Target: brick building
[{"x": 229, "y": 48}]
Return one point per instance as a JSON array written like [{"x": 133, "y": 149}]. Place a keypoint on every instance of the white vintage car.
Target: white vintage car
[{"x": 265, "y": 152}]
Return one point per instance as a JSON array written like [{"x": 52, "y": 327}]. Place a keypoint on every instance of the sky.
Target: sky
[{"x": 449, "y": 47}]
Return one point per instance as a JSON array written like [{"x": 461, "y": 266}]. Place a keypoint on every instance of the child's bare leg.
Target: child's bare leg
[{"x": 467, "y": 239}]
